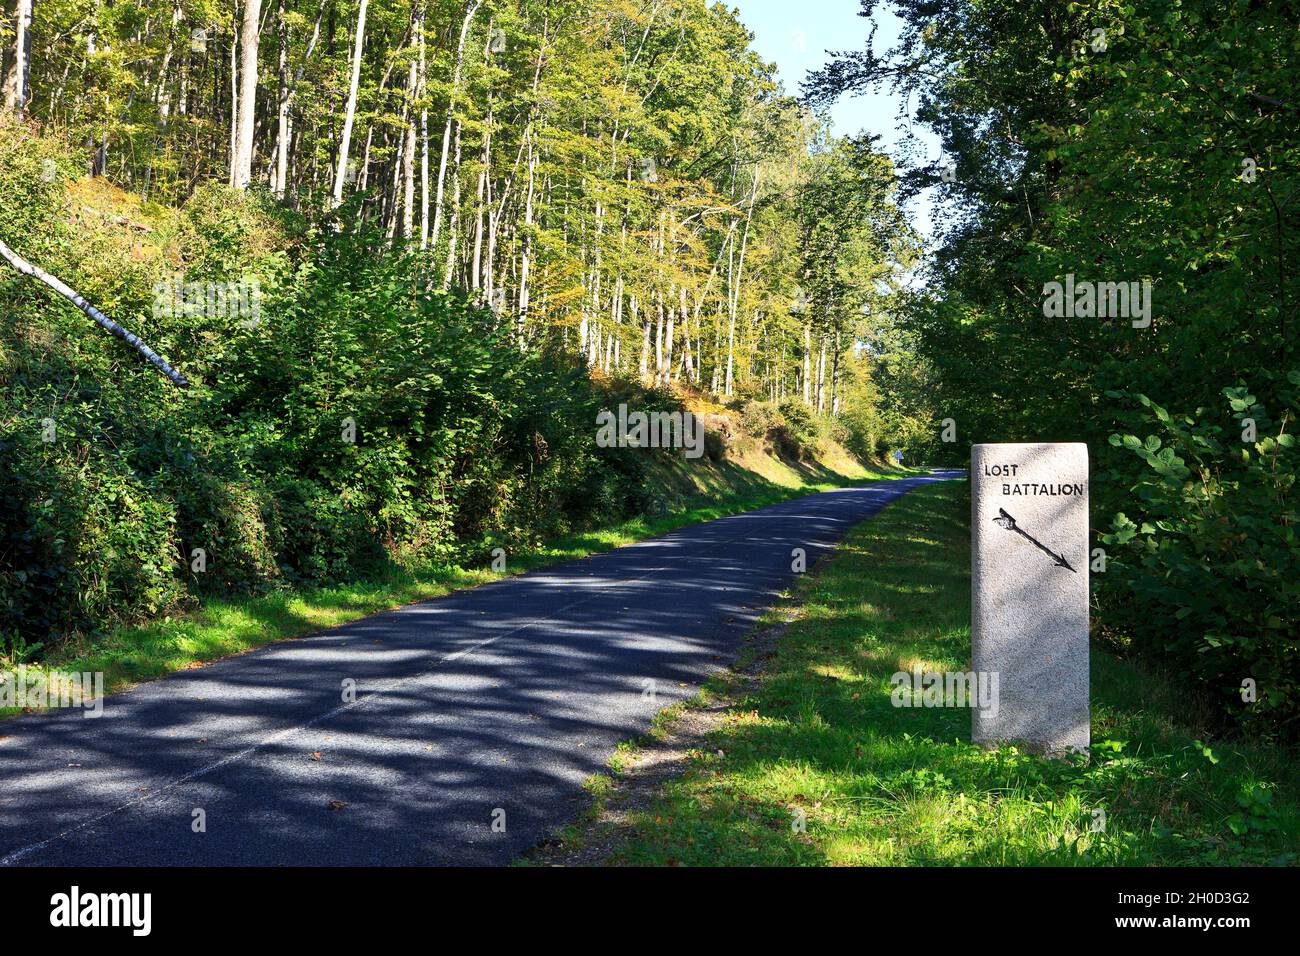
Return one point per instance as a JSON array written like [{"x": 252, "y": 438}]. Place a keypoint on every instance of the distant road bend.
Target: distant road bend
[{"x": 491, "y": 705}]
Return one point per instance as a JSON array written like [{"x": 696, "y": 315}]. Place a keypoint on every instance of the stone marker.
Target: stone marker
[{"x": 1029, "y": 593}]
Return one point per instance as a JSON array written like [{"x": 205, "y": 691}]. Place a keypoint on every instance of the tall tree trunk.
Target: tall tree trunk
[
  {"x": 659, "y": 336},
  {"x": 408, "y": 148},
  {"x": 716, "y": 382},
  {"x": 645, "y": 339},
  {"x": 739, "y": 279},
  {"x": 162, "y": 92},
  {"x": 349, "y": 116},
  {"x": 688, "y": 359},
  {"x": 483, "y": 201},
  {"x": 835, "y": 375},
  {"x": 234, "y": 92},
  {"x": 731, "y": 319},
  {"x": 451, "y": 110},
  {"x": 424, "y": 140},
  {"x": 480, "y": 201},
  {"x": 18, "y": 84},
  {"x": 821, "y": 376},
  {"x": 281, "y": 173},
  {"x": 455, "y": 213},
  {"x": 526, "y": 238},
  {"x": 807, "y": 362},
  {"x": 669, "y": 339},
  {"x": 284, "y": 108},
  {"x": 246, "y": 105},
  {"x": 526, "y": 255}
]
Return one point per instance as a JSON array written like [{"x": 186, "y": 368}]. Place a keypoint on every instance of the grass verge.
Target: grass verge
[
  {"x": 225, "y": 626},
  {"x": 812, "y": 765}
]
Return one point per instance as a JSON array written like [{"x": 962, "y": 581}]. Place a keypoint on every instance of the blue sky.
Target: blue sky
[{"x": 796, "y": 35}]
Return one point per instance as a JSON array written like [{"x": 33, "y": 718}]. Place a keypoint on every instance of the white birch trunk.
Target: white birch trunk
[
  {"x": 408, "y": 151},
  {"x": 424, "y": 141},
  {"x": 234, "y": 93},
  {"x": 281, "y": 173},
  {"x": 451, "y": 109},
  {"x": 455, "y": 213},
  {"x": 739, "y": 278},
  {"x": 349, "y": 116},
  {"x": 807, "y": 363},
  {"x": 18, "y": 84},
  {"x": 26, "y": 268}
]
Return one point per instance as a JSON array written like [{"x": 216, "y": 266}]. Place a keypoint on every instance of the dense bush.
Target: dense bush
[
  {"x": 757, "y": 418},
  {"x": 797, "y": 433},
  {"x": 789, "y": 428},
  {"x": 1209, "y": 551},
  {"x": 803, "y": 430},
  {"x": 865, "y": 434}
]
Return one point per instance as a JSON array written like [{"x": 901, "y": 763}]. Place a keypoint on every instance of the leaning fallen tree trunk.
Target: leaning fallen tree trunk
[{"x": 25, "y": 267}]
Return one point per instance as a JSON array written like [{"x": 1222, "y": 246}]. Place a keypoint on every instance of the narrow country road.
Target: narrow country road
[{"x": 488, "y": 705}]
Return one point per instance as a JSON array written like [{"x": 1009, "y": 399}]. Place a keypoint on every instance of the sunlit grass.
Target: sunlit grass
[{"x": 823, "y": 770}]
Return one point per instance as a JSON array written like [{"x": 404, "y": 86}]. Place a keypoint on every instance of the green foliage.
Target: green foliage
[
  {"x": 758, "y": 418},
  {"x": 1209, "y": 549},
  {"x": 793, "y": 430},
  {"x": 801, "y": 432},
  {"x": 34, "y": 170}
]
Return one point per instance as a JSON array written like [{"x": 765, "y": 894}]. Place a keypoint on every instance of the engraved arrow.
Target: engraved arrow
[{"x": 1005, "y": 520}]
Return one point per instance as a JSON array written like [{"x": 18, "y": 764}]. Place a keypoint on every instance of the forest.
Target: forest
[
  {"x": 444, "y": 235},
  {"x": 392, "y": 259}
]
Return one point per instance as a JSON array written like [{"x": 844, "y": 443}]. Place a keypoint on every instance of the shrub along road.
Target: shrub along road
[{"x": 476, "y": 717}]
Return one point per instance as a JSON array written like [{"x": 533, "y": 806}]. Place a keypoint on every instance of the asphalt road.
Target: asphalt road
[{"x": 487, "y": 706}]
